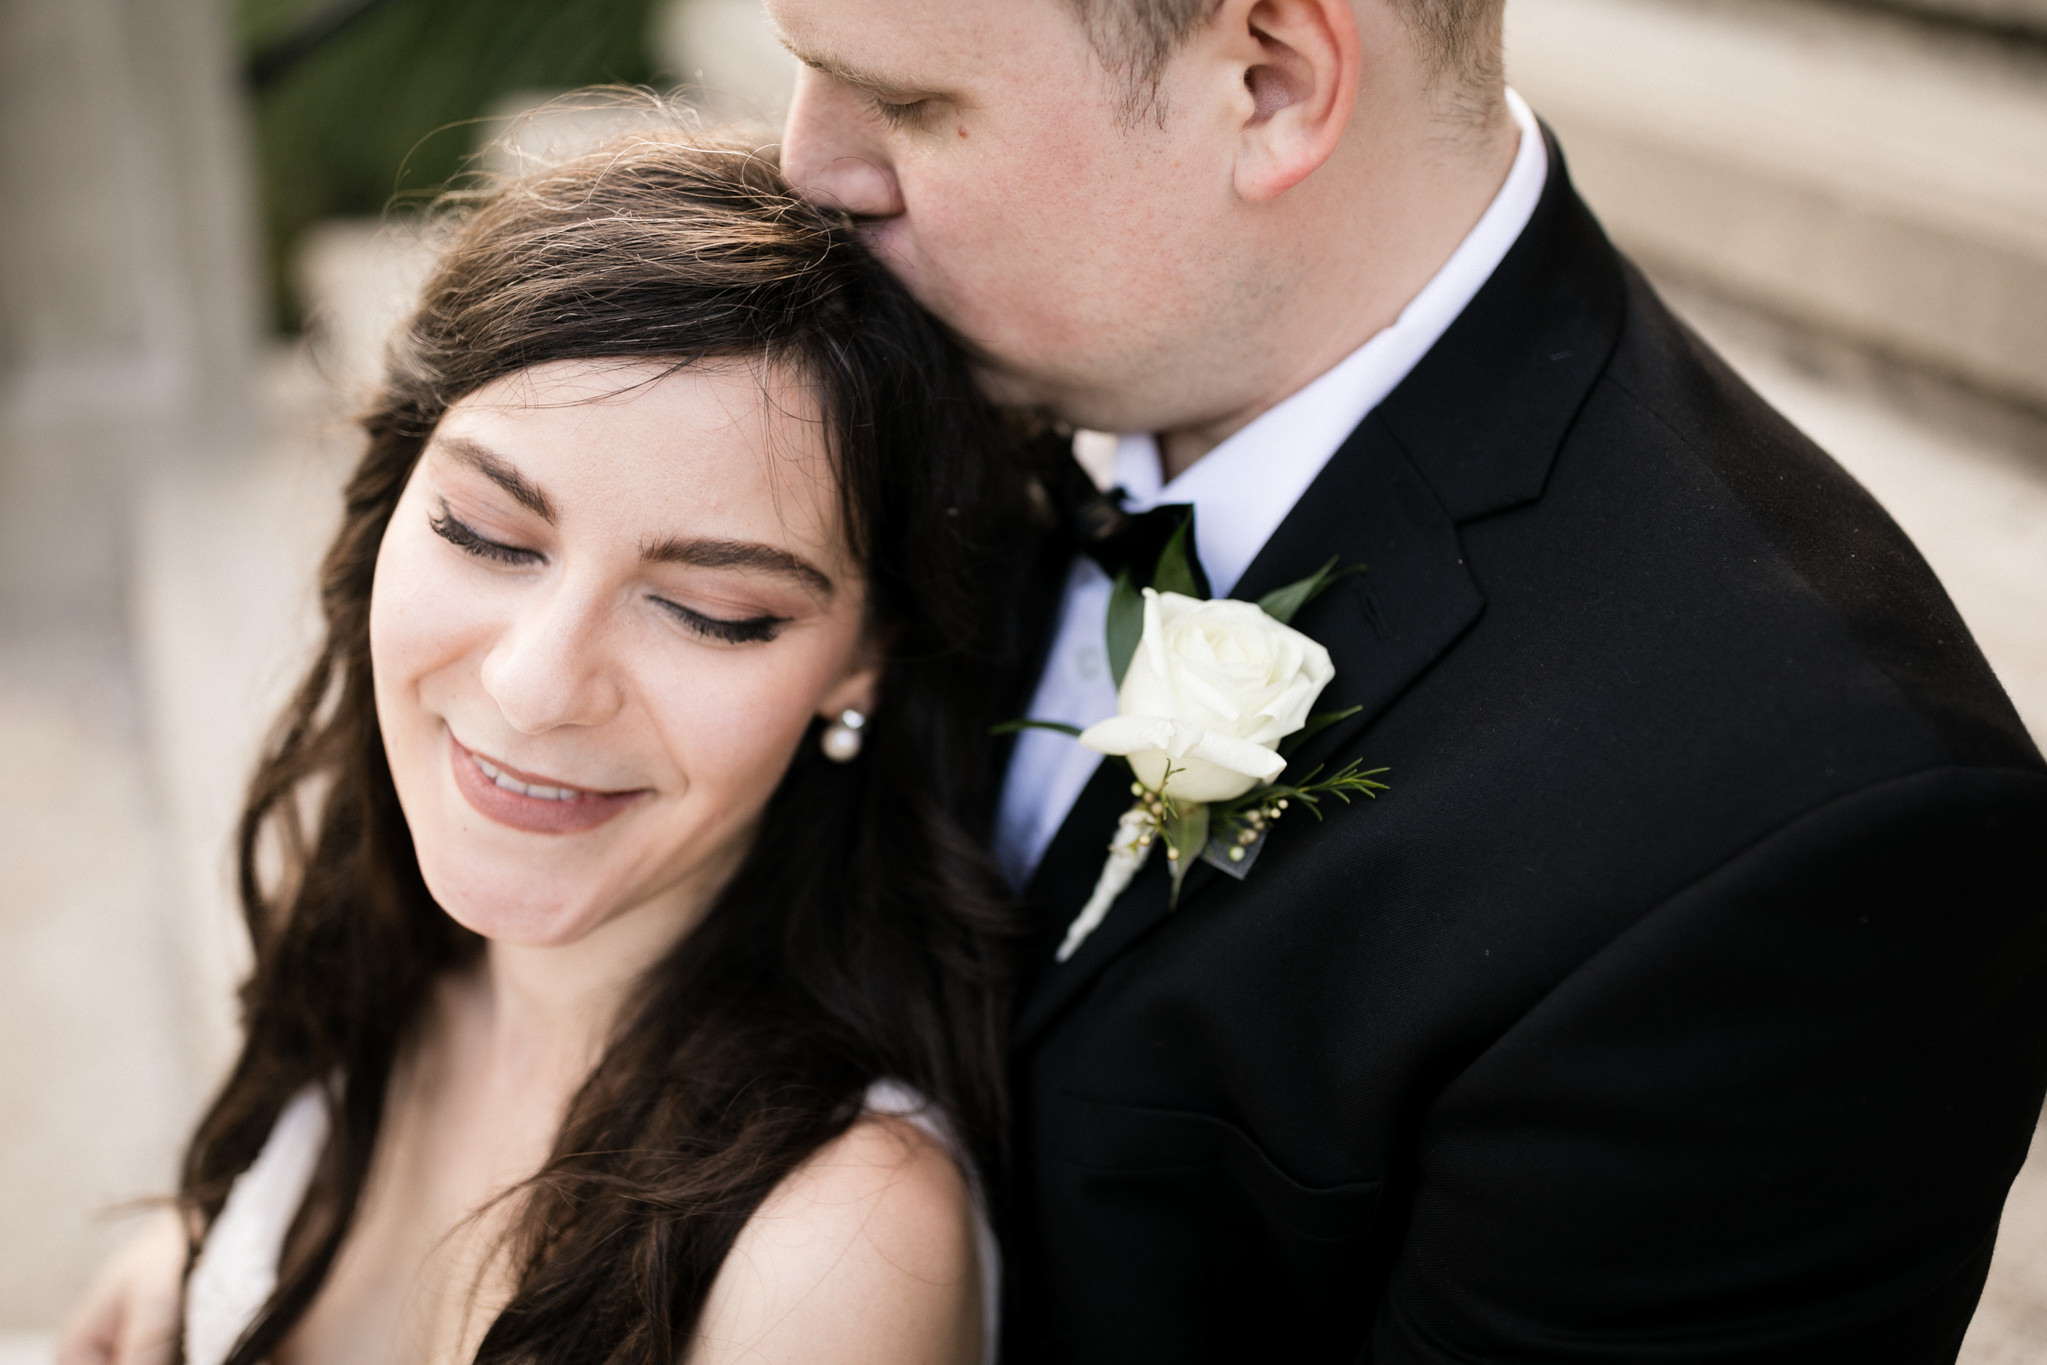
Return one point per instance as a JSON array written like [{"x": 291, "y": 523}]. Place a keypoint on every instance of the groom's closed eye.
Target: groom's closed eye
[
  {"x": 895, "y": 102},
  {"x": 899, "y": 114}
]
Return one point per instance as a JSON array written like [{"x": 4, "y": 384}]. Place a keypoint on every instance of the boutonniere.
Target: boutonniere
[{"x": 1212, "y": 698}]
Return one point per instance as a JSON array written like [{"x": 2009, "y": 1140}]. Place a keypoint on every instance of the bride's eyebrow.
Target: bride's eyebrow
[
  {"x": 697, "y": 553},
  {"x": 501, "y": 472},
  {"x": 739, "y": 554}
]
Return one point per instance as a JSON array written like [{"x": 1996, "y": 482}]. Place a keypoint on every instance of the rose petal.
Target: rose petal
[
  {"x": 1212, "y": 688},
  {"x": 1194, "y": 779},
  {"x": 1238, "y": 755},
  {"x": 1207, "y": 694},
  {"x": 1122, "y": 736}
]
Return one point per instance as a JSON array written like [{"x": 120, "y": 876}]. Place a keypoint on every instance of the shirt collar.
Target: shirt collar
[{"x": 1244, "y": 488}]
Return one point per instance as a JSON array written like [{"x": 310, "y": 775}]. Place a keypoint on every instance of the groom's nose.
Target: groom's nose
[{"x": 830, "y": 153}]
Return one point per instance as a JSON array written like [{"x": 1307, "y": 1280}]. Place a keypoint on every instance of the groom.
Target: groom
[{"x": 1685, "y": 999}]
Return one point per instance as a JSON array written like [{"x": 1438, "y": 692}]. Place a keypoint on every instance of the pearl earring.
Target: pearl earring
[{"x": 841, "y": 739}]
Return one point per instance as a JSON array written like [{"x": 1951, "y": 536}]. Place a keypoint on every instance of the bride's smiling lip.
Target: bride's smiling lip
[{"x": 528, "y": 801}]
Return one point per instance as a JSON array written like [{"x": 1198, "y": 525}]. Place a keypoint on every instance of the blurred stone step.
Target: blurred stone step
[
  {"x": 224, "y": 618},
  {"x": 97, "y": 1079},
  {"x": 1849, "y": 170}
]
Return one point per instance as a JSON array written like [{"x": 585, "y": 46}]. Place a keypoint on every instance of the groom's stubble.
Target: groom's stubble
[{"x": 1170, "y": 249}]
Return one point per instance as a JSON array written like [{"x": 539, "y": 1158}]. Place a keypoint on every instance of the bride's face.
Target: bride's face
[{"x": 606, "y": 610}]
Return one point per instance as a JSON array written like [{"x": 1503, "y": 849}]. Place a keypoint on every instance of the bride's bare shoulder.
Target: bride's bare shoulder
[{"x": 865, "y": 1252}]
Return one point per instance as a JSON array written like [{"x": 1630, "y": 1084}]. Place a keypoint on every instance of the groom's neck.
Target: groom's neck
[{"x": 1357, "y": 254}]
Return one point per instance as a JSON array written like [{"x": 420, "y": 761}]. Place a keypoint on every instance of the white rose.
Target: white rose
[{"x": 1212, "y": 690}]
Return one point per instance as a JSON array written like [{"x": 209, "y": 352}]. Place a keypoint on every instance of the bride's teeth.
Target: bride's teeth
[{"x": 513, "y": 784}]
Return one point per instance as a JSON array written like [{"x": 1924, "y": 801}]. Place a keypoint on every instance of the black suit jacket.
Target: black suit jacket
[{"x": 1686, "y": 997}]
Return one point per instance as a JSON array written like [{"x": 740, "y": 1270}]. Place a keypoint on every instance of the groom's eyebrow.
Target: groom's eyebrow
[
  {"x": 860, "y": 80},
  {"x": 738, "y": 554}
]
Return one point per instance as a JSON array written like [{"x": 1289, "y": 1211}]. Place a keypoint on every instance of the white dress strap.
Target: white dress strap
[
  {"x": 236, "y": 1270},
  {"x": 897, "y": 1100}
]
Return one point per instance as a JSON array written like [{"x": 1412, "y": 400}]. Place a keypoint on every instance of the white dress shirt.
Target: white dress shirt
[{"x": 1241, "y": 491}]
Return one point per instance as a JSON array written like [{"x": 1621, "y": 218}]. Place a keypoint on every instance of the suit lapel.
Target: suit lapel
[
  {"x": 1471, "y": 431},
  {"x": 1382, "y": 629},
  {"x": 1385, "y": 626}
]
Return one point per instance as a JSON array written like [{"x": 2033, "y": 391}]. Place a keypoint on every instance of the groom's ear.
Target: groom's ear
[{"x": 1301, "y": 62}]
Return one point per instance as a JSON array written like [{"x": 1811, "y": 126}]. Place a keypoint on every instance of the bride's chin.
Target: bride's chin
[
  {"x": 518, "y": 915},
  {"x": 520, "y": 928}
]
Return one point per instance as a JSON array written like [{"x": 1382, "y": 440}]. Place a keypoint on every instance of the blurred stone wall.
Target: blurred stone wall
[
  {"x": 127, "y": 335},
  {"x": 126, "y": 306}
]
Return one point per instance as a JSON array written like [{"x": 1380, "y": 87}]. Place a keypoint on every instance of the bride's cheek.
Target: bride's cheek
[
  {"x": 402, "y": 639},
  {"x": 414, "y": 613},
  {"x": 741, "y": 725},
  {"x": 733, "y": 725}
]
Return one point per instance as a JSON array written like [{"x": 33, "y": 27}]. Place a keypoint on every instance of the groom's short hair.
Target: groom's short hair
[{"x": 1459, "y": 39}]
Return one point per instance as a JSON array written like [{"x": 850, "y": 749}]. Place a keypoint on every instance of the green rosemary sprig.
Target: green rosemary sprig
[{"x": 1352, "y": 780}]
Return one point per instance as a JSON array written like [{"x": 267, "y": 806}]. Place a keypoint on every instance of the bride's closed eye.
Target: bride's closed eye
[
  {"x": 465, "y": 537},
  {"x": 744, "y": 631},
  {"x": 751, "y": 631}
]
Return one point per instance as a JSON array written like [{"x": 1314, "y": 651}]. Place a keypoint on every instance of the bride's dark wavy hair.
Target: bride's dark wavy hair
[{"x": 864, "y": 937}]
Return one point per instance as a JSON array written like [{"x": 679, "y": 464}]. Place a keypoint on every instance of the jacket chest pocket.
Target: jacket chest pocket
[{"x": 1198, "y": 1193}]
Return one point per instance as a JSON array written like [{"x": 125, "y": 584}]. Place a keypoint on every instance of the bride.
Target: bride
[{"x": 627, "y": 983}]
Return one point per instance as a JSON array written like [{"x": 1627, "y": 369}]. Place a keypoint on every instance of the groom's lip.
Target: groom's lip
[{"x": 528, "y": 802}]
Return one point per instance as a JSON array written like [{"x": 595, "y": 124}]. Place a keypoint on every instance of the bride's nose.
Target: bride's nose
[
  {"x": 550, "y": 668},
  {"x": 829, "y": 154}
]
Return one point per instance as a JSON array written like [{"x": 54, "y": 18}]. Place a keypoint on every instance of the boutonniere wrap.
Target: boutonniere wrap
[{"x": 1212, "y": 697}]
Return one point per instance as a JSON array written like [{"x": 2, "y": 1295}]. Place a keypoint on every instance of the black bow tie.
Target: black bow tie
[{"x": 1121, "y": 540}]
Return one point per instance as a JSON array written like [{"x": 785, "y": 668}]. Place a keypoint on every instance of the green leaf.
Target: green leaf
[
  {"x": 1010, "y": 727},
  {"x": 1126, "y": 625},
  {"x": 1175, "y": 571},
  {"x": 1186, "y": 836},
  {"x": 1315, "y": 725},
  {"x": 1281, "y": 604}
]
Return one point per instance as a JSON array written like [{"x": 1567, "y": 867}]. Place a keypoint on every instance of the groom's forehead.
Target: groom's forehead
[{"x": 887, "y": 45}]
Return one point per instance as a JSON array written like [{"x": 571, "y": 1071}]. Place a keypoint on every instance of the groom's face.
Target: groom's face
[{"x": 994, "y": 161}]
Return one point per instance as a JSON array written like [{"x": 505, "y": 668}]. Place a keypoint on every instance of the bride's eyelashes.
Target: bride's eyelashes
[
  {"x": 751, "y": 630},
  {"x": 465, "y": 538}
]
